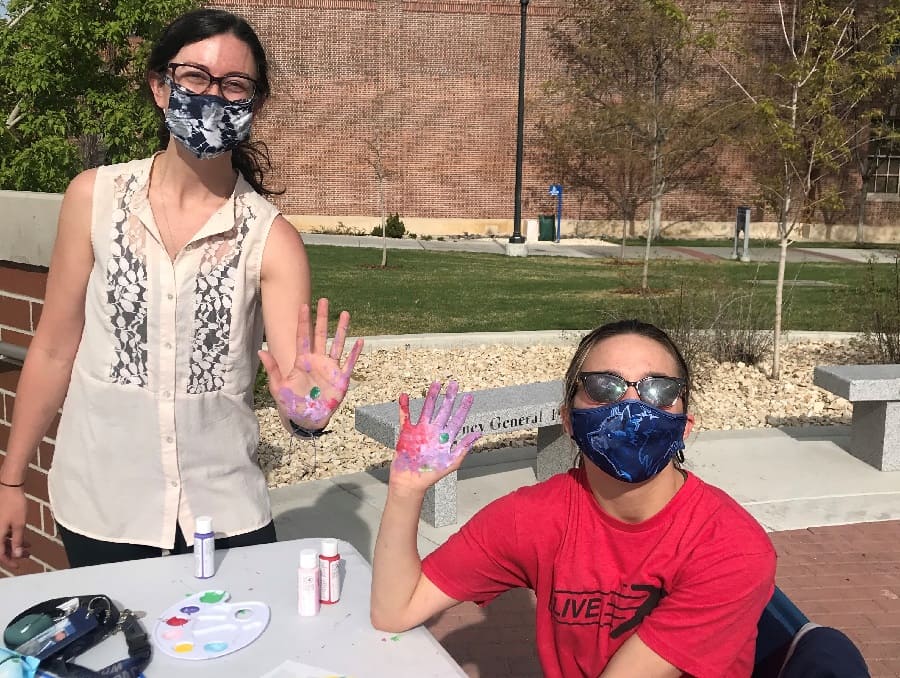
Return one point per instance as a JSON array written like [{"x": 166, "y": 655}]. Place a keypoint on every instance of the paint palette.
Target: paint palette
[{"x": 205, "y": 626}]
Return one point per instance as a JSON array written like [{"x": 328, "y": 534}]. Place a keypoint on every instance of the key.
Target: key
[{"x": 127, "y": 615}]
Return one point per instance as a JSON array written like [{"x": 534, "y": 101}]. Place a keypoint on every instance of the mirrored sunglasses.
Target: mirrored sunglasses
[{"x": 604, "y": 387}]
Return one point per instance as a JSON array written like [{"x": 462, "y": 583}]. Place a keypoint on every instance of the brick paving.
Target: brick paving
[{"x": 846, "y": 576}]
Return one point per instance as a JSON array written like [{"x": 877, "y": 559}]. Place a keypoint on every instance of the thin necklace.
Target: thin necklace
[{"x": 160, "y": 191}]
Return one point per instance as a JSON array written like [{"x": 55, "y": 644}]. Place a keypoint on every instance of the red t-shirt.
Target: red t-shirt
[{"x": 691, "y": 581}]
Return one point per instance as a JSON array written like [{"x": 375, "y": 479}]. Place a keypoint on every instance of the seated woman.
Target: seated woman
[{"x": 639, "y": 567}]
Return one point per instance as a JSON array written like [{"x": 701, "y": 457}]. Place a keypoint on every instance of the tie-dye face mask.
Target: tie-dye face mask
[
  {"x": 629, "y": 440},
  {"x": 205, "y": 124}
]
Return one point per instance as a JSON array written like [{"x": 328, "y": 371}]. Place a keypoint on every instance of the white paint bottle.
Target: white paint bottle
[
  {"x": 204, "y": 548},
  {"x": 308, "y": 583},
  {"x": 329, "y": 576}
]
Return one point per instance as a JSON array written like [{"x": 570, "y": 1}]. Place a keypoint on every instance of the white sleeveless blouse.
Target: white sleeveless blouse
[{"x": 158, "y": 424}]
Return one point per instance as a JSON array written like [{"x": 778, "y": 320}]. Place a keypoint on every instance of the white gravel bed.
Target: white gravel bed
[{"x": 725, "y": 396}]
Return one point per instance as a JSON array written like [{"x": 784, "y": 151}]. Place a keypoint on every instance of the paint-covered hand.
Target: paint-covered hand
[
  {"x": 428, "y": 450},
  {"x": 311, "y": 392}
]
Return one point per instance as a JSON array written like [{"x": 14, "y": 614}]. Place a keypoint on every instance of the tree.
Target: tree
[
  {"x": 639, "y": 106},
  {"x": 375, "y": 159},
  {"x": 72, "y": 86},
  {"x": 611, "y": 167},
  {"x": 811, "y": 98},
  {"x": 376, "y": 162},
  {"x": 377, "y": 138}
]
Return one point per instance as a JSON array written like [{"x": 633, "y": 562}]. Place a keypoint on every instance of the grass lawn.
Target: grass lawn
[{"x": 424, "y": 291}]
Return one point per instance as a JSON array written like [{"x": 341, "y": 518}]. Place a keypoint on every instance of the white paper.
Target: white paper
[{"x": 292, "y": 669}]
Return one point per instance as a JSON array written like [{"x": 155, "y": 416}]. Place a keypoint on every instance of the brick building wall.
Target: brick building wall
[
  {"x": 22, "y": 288},
  {"x": 432, "y": 85}
]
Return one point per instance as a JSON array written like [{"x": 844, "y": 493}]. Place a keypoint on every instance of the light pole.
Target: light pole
[{"x": 516, "y": 238}]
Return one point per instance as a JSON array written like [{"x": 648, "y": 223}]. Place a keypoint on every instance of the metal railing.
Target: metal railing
[{"x": 10, "y": 353}]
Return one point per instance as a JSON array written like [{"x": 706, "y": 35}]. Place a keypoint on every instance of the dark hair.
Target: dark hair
[
  {"x": 251, "y": 159},
  {"x": 614, "y": 329}
]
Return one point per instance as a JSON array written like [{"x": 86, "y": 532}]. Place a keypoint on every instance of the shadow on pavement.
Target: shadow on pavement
[
  {"x": 838, "y": 434},
  {"x": 306, "y": 521},
  {"x": 495, "y": 641}
]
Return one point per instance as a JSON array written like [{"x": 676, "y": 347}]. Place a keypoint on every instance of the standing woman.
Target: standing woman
[
  {"x": 639, "y": 567},
  {"x": 165, "y": 274}
]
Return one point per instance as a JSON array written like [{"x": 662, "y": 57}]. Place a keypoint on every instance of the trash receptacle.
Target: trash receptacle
[
  {"x": 546, "y": 227},
  {"x": 741, "y": 248}
]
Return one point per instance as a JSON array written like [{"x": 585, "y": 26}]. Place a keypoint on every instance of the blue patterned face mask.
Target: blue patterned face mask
[
  {"x": 207, "y": 125},
  {"x": 628, "y": 439}
]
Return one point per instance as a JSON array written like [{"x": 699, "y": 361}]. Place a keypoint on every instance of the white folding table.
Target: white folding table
[{"x": 339, "y": 639}]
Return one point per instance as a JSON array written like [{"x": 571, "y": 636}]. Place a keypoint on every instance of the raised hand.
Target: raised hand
[
  {"x": 428, "y": 450},
  {"x": 315, "y": 386}
]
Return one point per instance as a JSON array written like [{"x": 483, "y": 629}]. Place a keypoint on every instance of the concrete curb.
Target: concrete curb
[
  {"x": 474, "y": 339},
  {"x": 450, "y": 341}
]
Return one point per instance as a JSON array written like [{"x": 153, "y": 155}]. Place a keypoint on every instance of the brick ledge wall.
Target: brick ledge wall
[{"x": 22, "y": 289}]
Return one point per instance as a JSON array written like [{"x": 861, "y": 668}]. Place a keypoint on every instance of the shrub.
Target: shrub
[
  {"x": 393, "y": 227},
  {"x": 726, "y": 324},
  {"x": 339, "y": 229},
  {"x": 881, "y": 311},
  {"x": 741, "y": 330}
]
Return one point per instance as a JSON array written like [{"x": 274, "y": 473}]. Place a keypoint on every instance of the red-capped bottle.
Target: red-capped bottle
[{"x": 329, "y": 572}]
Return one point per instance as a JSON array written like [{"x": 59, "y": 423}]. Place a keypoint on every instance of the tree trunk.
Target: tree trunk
[
  {"x": 377, "y": 165},
  {"x": 624, "y": 238},
  {"x": 784, "y": 232},
  {"x": 652, "y": 229},
  {"x": 383, "y": 223},
  {"x": 779, "y": 296},
  {"x": 383, "y": 230},
  {"x": 657, "y": 184},
  {"x": 861, "y": 213},
  {"x": 646, "y": 270}
]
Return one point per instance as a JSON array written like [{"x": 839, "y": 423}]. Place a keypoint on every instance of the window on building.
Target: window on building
[
  {"x": 895, "y": 53},
  {"x": 884, "y": 159}
]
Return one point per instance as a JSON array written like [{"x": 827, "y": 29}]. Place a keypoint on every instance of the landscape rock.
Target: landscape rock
[{"x": 725, "y": 396}]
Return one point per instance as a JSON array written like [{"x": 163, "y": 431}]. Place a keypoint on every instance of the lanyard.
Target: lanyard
[{"x": 88, "y": 620}]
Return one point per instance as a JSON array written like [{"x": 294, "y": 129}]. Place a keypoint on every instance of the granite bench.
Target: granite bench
[
  {"x": 494, "y": 410},
  {"x": 874, "y": 391}
]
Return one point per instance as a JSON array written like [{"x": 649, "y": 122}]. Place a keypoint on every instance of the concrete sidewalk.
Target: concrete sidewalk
[
  {"x": 789, "y": 479},
  {"x": 800, "y": 483},
  {"x": 596, "y": 248}
]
